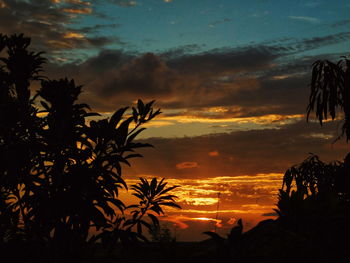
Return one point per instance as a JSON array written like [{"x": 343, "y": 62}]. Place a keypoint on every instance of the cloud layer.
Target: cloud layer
[{"x": 257, "y": 80}]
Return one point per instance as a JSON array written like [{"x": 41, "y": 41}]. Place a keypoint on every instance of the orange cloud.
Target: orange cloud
[
  {"x": 213, "y": 153},
  {"x": 59, "y": 44},
  {"x": 186, "y": 165},
  {"x": 231, "y": 221},
  {"x": 78, "y": 2},
  {"x": 201, "y": 201},
  {"x": 265, "y": 119},
  {"x": 86, "y": 10},
  {"x": 73, "y": 35}
]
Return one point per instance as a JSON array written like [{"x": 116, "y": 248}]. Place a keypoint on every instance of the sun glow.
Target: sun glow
[{"x": 203, "y": 219}]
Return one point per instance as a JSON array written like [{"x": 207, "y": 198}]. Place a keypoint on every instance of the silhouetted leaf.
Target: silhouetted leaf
[
  {"x": 117, "y": 116},
  {"x": 154, "y": 219},
  {"x": 133, "y": 136},
  {"x": 214, "y": 236}
]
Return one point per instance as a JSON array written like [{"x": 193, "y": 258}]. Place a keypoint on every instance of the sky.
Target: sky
[{"x": 230, "y": 76}]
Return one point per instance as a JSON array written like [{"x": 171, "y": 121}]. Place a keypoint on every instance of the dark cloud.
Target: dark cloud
[
  {"x": 174, "y": 82},
  {"x": 341, "y": 23},
  {"x": 96, "y": 28},
  {"x": 272, "y": 96},
  {"x": 101, "y": 41},
  {"x": 146, "y": 75},
  {"x": 180, "y": 51},
  {"x": 257, "y": 79},
  {"x": 218, "y": 22},
  {"x": 115, "y": 77},
  {"x": 306, "y": 44},
  {"x": 316, "y": 42},
  {"x": 220, "y": 60},
  {"x": 292, "y": 46}
]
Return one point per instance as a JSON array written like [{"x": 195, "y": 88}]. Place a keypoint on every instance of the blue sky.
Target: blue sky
[{"x": 155, "y": 25}]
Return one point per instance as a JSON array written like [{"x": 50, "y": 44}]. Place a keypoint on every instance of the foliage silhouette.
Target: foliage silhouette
[
  {"x": 316, "y": 195},
  {"x": 60, "y": 174},
  {"x": 330, "y": 90},
  {"x": 314, "y": 202}
]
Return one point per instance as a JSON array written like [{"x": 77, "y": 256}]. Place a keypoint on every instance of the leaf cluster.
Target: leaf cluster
[
  {"x": 330, "y": 91},
  {"x": 312, "y": 185}
]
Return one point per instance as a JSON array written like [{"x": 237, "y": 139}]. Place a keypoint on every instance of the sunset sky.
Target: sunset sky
[{"x": 230, "y": 76}]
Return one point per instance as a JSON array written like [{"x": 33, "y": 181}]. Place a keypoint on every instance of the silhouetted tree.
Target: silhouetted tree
[
  {"x": 330, "y": 90},
  {"x": 314, "y": 204},
  {"x": 60, "y": 174}
]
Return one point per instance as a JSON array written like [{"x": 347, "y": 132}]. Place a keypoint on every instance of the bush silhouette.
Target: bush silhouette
[{"x": 60, "y": 173}]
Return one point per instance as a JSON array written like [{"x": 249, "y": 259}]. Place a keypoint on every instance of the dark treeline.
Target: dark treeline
[{"x": 60, "y": 174}]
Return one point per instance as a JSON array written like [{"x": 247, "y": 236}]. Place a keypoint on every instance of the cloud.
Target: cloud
[
  {"x": 341, "y": 23},
  {"x": 85, "y": 10},
  {"x": 50, "y": 26},
  {"x": 124, "y": 3},
  {"x": 289, "y": 46},
  {"x": 213, "y": 153},
  {"x": 306, "y": 19},
  {"x": 180, "y": 51},
  {"x": 186, "y": 165},
  {"x": 315, "y": 42},
  {"x": 129, "y": 3},
  {"x": 261, "y": 14},
  {"x": 73, "y": 35},
  {"x": 219, "y": 22},
  {"x": 311, "y": 4},
  {"x": 254, "y": 79},
  {"x": 97, "y": 27},
  {"x": 171, "y": 81},
  {"x": 218, "y": 60}
]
